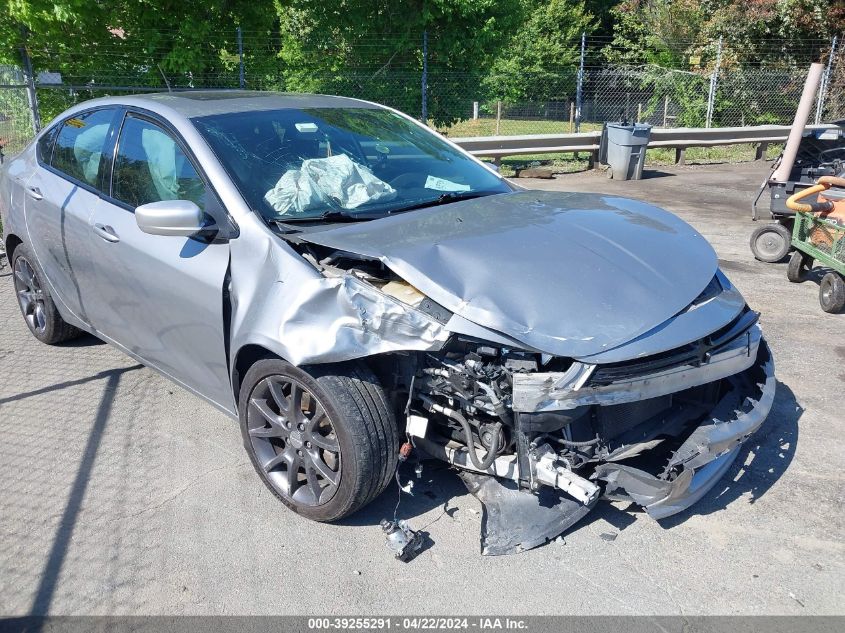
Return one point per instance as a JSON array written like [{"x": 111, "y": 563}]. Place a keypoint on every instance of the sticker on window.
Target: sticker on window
[{"x": 441, "y": 184}]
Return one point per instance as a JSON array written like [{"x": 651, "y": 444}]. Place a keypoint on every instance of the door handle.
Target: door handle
[
  {"x": 106, "y": 232},
  {"x": 34, "y": 193}
]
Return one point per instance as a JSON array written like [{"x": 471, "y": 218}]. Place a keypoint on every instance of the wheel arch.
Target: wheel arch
[
  {"x": 250, "y": 353},
  {"x": 12, "y": 242}
]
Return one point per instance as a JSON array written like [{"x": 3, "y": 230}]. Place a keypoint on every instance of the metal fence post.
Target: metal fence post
[
  {"x": 498, "y": 116},
  {"x": 714, "y": 79},
  {"x": 31, "y": 95},
  {"x": 241, "y": 75},
  {"x": 579, "y": 88},
  {"x": 424, "y": 86},
  {"x": 825, "y": 79}
]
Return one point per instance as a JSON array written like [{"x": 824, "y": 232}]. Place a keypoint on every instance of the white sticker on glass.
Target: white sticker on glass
[{"x": 441, "y": 184}]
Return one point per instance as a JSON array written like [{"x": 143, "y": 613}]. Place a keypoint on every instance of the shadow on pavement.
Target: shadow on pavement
[
  {"x": 437, "y": 486},
  {"x": 763, "y": 459},
  {"x": 69, "y": 383},
  {"x": 51, "y": 571},
  {"x": 86, "y": 340},
  {"x": 648, "y": 174}
]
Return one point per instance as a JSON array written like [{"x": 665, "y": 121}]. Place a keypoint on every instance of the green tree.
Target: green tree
[
  {"x": 774, "y": 33},
  {"x": 143, "y": 43},
  {"x": 373, "y": 49},
  {"x": 539, "y": 61}
]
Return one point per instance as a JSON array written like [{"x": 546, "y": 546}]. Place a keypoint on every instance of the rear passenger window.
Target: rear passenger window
[
  {"x": 151, "y": 167},
  {"x": 79, "y": 147}
]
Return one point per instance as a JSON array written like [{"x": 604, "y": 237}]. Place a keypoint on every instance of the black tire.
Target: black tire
[
  {"x": 799, "y": 265},
  {"x": 770, "y": 243},
  {"x": 360, "y": 424},
  {"x": 37, "y": 306},
  {"x": 832, "y": 293}
]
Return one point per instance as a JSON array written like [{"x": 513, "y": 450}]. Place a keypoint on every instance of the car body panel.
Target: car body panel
[
  {"x": 57, "y": 229},
  {"x": 700, "y": 318},
  {"x": 285, "y": 305},
  {"x": 567, "y": 274},
  {"x": 162, "y": 298}
]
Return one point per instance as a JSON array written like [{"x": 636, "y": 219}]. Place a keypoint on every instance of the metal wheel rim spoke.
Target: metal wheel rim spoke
[
  {"x": 30, "y": 296},
  {"x": 326, "y": 443},
  {"x": 313, "y": 484},
  {"x": 278, "y": 396},
  {"x": 294, "y": 441},
  {"x": 276, "y": 422},
  {"x": 295, "y": 462},
  {"x": 323, "y": 469},
  {"x": 275, "y": 461},
  {"x": 25, "y": 298}
]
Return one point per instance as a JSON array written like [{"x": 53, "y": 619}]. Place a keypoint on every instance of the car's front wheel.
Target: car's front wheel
[
  {"x": 323, "y": 438},
  {"x": 37, "y": 306}
]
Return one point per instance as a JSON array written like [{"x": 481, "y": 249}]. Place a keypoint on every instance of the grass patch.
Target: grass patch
[
  {"x": 559, "y": 163},
  {"x": 567, "y": 163},
  {"x": 511, "y": 127},
  {"x": 710, "y": 155}
]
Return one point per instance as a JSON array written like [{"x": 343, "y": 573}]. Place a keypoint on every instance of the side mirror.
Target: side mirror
[{"x": 181, "y": 218}]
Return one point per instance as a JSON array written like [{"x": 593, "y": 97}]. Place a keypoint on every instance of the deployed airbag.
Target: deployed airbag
[{"x": 327, "y": 182}]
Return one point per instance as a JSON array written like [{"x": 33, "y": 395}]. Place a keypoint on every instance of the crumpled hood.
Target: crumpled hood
[{"x": 570, "y": 274}]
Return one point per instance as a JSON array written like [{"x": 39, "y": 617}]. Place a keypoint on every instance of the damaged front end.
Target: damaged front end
[
  {"x": 659, "y": 431},
  {"x": 546, "y": 415}
]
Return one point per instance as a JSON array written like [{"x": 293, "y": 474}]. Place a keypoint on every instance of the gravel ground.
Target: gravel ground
[{"x": 123, "y": 494}]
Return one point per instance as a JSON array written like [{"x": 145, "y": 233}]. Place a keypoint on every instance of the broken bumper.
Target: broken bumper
[{"x": 706, "y": 454}]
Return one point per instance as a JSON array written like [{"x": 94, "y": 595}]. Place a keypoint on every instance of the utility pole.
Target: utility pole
[
  {"x": 32, "y": 97},
  {"x": 424, "y": 87},
  {"x": 241, "y": 77},
  {"x": 579, "y": 88},
  {"x": 714, "y": 80},
  {"x": 825, "y": 81}
]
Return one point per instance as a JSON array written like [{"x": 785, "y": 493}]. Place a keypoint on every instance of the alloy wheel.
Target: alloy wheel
[
  {"x": 30, "y": 295},
  {"x": 294, "y": 441}
]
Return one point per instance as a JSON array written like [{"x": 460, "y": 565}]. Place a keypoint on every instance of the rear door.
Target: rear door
[
  {"x": 60, "y": 197},
  {"x": 160, "y": 297}
]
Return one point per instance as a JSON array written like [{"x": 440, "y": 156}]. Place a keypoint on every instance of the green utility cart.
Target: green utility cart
[{"x": 822, "y": 240}]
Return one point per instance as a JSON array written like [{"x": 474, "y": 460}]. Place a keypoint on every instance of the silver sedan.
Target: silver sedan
[{"x": 352, "y": 286}]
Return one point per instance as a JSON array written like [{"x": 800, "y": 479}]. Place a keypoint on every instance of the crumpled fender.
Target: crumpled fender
[{"x": 281, "y": 302}]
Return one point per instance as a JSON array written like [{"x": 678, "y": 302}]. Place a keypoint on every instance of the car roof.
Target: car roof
[{"x": 200, "y": 103}]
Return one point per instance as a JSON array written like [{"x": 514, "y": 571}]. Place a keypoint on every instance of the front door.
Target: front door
[{"x": 160, "y": 297}]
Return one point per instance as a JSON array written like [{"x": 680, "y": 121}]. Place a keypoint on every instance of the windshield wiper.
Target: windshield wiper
[
  {"x": 446, "y": 198},
  {"x": 332, "y": 215}
]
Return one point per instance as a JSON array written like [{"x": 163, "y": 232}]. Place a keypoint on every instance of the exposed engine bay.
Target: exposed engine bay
[{"x": 655, "y": 430}]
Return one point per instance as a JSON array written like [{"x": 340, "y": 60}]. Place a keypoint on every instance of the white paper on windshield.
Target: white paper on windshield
[
  {"x": 441, "y": 184},
  {"x": 319, "y": 181}
]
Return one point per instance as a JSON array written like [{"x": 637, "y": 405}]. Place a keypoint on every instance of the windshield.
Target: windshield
[{"x": 356, "y": 162}]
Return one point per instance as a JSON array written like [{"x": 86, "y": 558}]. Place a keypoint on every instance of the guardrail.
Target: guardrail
[
  {"x": 496, "y": 147},
  {"x": 679, "y": 139}
]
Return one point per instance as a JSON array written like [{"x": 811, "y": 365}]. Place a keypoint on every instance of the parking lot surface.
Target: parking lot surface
[{"x": 120, "y": 493}]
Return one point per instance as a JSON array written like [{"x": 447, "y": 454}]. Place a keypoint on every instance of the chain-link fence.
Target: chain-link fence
[
  {"x": 16, "y": 126},
  {"x": 469, "y": 102}
]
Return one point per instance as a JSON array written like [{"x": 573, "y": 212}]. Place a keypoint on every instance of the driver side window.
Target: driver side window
[{"x": 151, "y": 167}]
